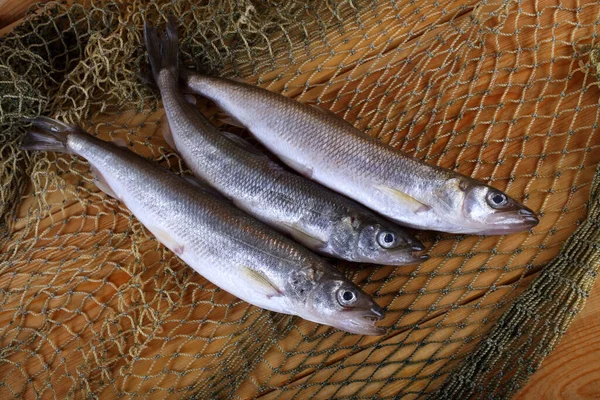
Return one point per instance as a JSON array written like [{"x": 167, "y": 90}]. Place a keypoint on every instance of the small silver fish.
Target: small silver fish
[
  {"x": 222, "y": 243},
  {"x": 325, "y": 148},
  {"x": 315, "y": 216}
]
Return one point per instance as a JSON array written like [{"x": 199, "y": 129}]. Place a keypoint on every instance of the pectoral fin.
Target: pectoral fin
[
  {"x": 406, "y": 200},
  {"x": 305, "y": 238},
  {"x": 262, "y": 282}
]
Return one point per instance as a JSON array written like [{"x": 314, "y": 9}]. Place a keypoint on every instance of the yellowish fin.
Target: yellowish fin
[
  {"x": 190, "y": 98},
  {"x": 102, "y": 184},
  {"x": 119, "y": 142},
  {"x": 166, "y": 132},
  {"x": 408, "y": 201},
  {"x": 169, "y": 241},
  {"x": 262, "y": 282}
]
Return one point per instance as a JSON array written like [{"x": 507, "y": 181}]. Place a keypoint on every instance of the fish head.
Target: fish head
[
  {"x": 334, "y": 300},
  {"x": 384, "y": 243},
  {"x": 489, "y": 211}
]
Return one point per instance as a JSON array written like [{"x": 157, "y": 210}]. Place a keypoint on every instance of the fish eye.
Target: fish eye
[
  {"x": 346, "y": 297},
  {"x": 387, "y": 239},
  {"x": 497, "y": 199}
]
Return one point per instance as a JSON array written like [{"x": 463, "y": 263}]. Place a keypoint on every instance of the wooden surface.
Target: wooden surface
[
  {"x": 13, "y": 10},
  {"x": 571, "y": 371}
]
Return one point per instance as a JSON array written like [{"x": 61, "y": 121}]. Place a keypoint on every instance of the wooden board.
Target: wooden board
[
  {"x": 572, "y": 370},
  {"x": 411, "y": 284},
  {"x": 12, "y": 11}
]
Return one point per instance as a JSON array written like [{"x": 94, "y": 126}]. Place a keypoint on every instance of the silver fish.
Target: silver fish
[
  {"x": 325, "y": 148},
  {"x": 315, "y": 216},
  {"x": 222, "y": 243}
]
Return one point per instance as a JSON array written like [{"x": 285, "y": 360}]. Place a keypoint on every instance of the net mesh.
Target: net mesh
[{"x": 91, "y": 305}]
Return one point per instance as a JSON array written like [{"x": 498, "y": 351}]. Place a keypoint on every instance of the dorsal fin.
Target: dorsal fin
[
  {"x": 204, "y": 186},
  {"x": 229, "y": 119},
  {"x": 243, "y": 143},
  {"x": 327, "y": 111}
]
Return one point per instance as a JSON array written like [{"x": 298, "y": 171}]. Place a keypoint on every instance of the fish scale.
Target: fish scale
[
  {"x": 315, "y": 216},
  {"x": 329, "y": 150},
  {"x": 225, "y": 245}
]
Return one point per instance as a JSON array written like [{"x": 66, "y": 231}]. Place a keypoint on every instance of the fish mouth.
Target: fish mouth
[
  {"x": 406, "y": 257},
  {"x": 420, "y": 257},
  {"x": 395, "y": 257},
  {"x": 512, "y": 221},
  {"x": 416, "y": 245},
  {"x": 362, "y": 322},
  {"x": 531, "y": 221}
]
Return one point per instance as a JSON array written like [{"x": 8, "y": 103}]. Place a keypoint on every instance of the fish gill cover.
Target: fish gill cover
[{"x": 504, "y": 91}]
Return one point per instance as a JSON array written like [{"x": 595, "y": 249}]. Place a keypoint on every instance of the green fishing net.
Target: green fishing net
[{"x": 91, "y": 305}]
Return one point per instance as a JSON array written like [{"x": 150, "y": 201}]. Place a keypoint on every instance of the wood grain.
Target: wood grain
[
  {"x": 13, "y": 10},
  {"x": 411, "y": 347},
  {"x": 572, "y": 370}
]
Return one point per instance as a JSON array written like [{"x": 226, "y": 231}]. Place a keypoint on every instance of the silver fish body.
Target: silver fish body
[
  {"x": 315, "y": 216},
  {"x": 328, "y": 149},
  {"x": 225, "y": 245}
]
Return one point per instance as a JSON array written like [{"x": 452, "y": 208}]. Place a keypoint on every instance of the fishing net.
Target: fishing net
[{"x": 91, "y": 305}]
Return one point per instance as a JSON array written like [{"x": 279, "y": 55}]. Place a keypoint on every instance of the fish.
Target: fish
[
  {"x": 327, "y": 149},
  {"x": 222, "y": 243},
  {"x": 319, "y": 218}
]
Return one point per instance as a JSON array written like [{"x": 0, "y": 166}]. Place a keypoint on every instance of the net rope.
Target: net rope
[{"x": 91, "y": 305}]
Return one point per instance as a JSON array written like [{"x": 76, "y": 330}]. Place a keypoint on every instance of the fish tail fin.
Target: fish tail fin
[
  {"x": 47, "y": 134},
  {"x": 163, "y": 50}
]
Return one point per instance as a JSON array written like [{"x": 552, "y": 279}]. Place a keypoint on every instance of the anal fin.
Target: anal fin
[
  {"x": 120, "y": 142},
  {"x": 102, "y": 183},
  {"x": 166, "y": 132},
  {"x": 190, "y": 98},
  {"x": 168, "y": 240}
]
